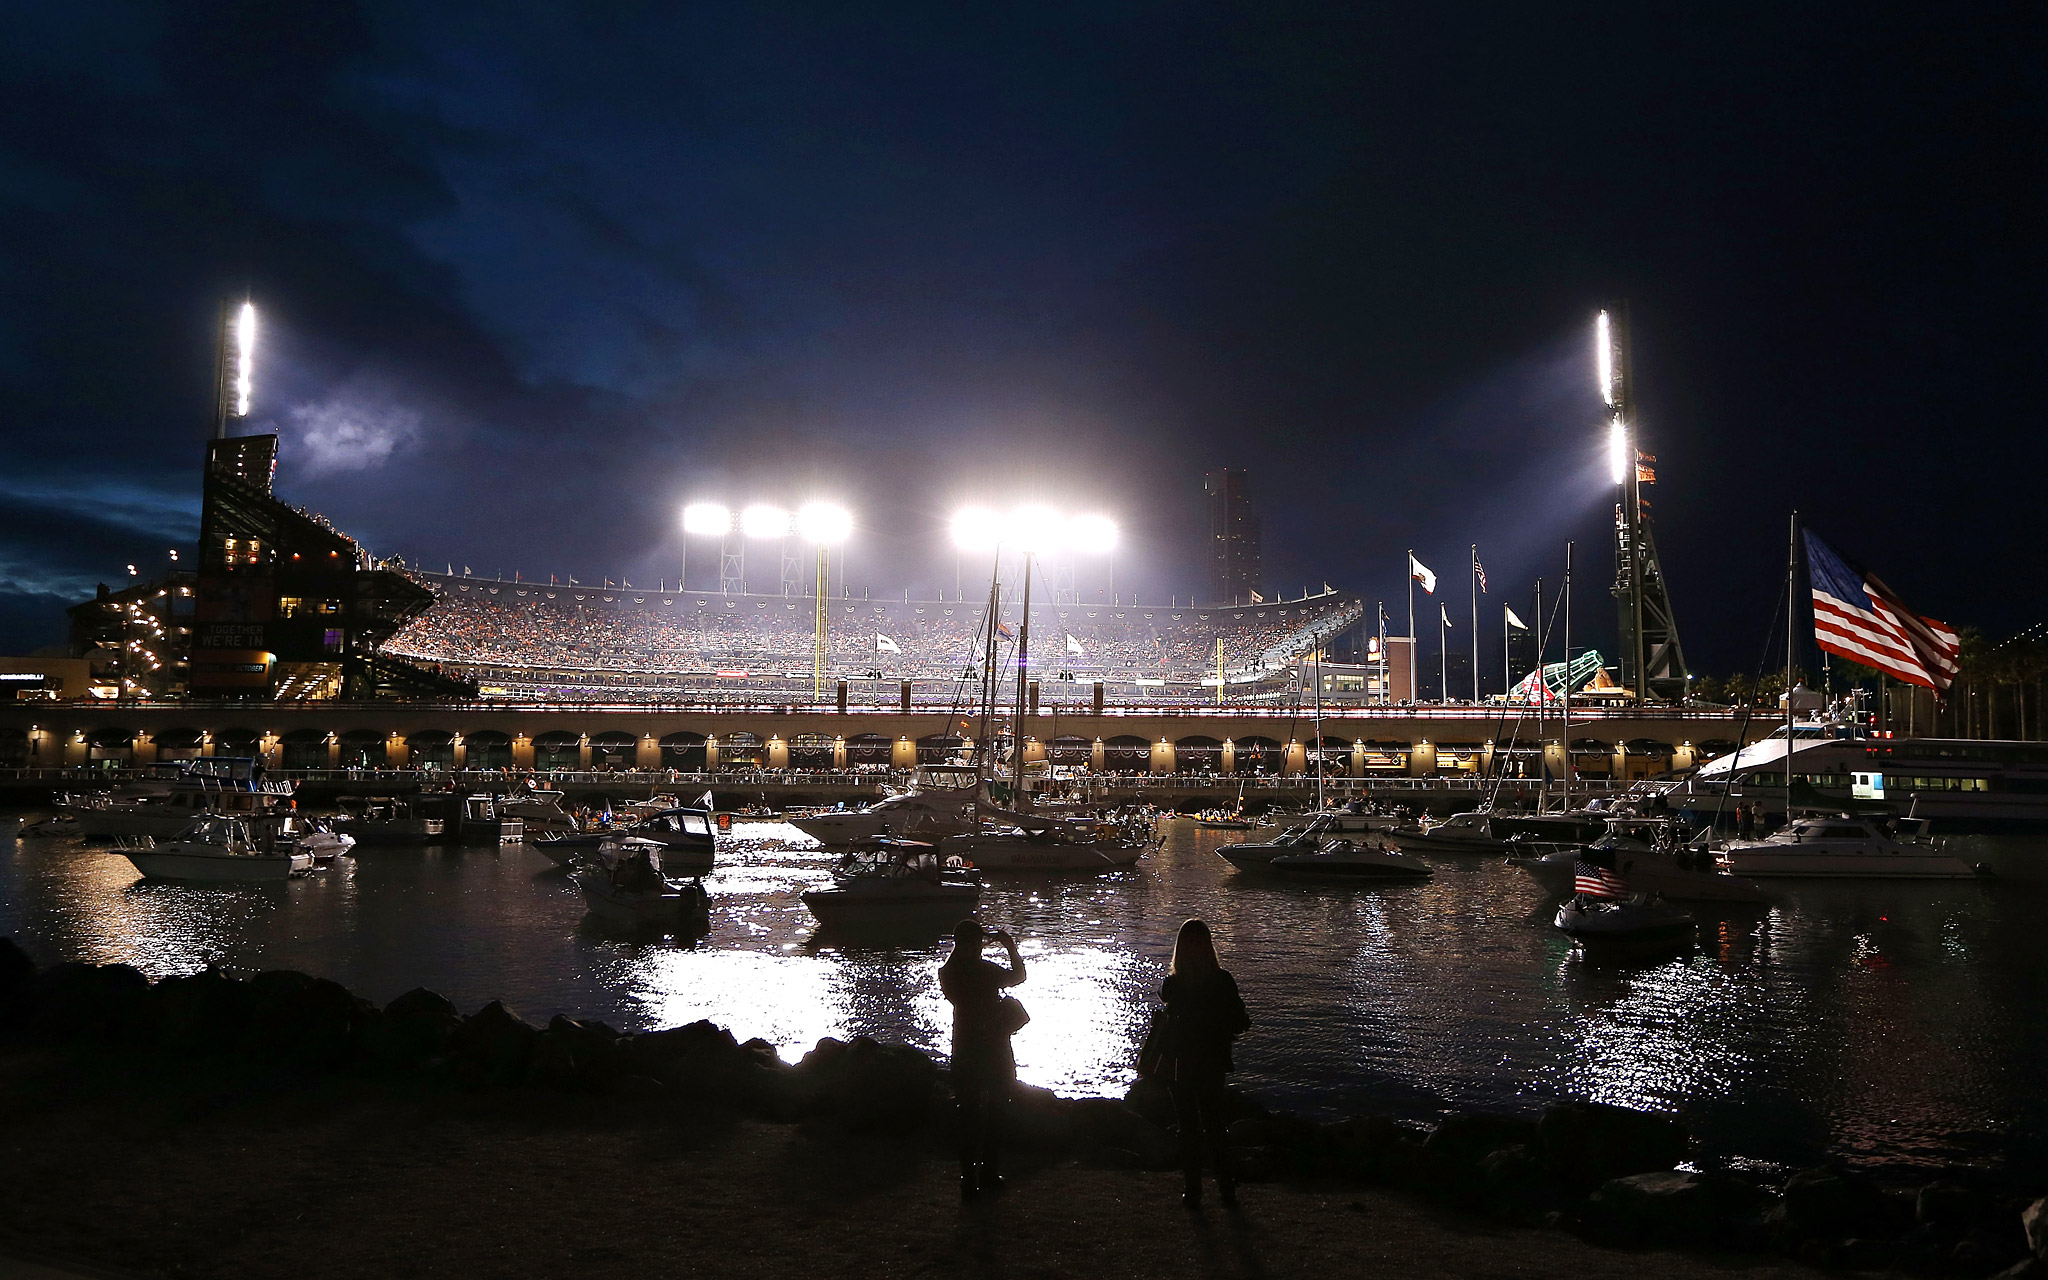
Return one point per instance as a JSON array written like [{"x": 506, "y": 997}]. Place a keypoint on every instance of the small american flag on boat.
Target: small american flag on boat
[{"x": 1596, "y": 881}]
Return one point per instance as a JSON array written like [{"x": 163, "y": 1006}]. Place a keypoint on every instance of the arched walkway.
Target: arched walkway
[
  {"x": 683, "y": 751},
  {"x": 487, "y": 749},
  {"x": 303, "y": 749}
]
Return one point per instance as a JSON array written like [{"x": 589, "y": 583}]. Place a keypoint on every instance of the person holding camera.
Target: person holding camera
[
  {"x": 984, "y": 1068},
  {"x": 1204, "y": 1013}
]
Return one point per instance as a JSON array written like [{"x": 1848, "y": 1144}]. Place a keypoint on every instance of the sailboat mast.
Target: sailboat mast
[
  {"x": 1567, "y": 677},
  {"x": 1791, "y": 640},
  {"x": 1018, "y": 800},
  {"x": 989, "y": 633},
  {"x": 1319, "y": 723}
]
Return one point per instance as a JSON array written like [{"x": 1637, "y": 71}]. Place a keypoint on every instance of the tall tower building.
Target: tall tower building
[{"x": 1235, "y": 570}]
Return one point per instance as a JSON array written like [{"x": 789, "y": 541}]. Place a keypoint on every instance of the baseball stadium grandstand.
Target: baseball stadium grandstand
[{"x": 566, "y": 642}]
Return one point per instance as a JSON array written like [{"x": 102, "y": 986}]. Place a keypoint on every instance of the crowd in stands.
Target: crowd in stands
[{"x": 483, "y": 624}]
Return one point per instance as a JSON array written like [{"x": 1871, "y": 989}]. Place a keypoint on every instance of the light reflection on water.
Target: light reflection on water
[{"x": 1877, "y": 1021}]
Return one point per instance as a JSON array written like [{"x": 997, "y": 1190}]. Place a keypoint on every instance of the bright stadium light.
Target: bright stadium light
[
  {"x": 1603, "y": 352},
  {"x": 764, "y": 521},
  {"x": 245, "y": 357},
  {"x": 1036, "y": 530},
  {"x": 977, "y": 529},
  {"x": 1091, "y": 535},
  {"x": 1617, "y": 450},
  {"x": 823, "y": 523},
  {"x": 707, "y": 519}
]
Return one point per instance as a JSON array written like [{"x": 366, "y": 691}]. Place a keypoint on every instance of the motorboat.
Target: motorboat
[
  {"x": 213, "y": 785},
  {"x": 1223, "y": 820},
  {"x": 1053, "y": 847},
  {"x": 317, "y": 840},
  {"x": 1647, "y": 854},
  {"x": 940, "y": 803},
  {"x": 680, "y": 859},
  {"x": 685, "y": 835},
  {"x": 1301, "y": 838},
  {"x": 1846, "y": 846},
  {"x": 632, "y": 892},
  {"x": 893, "y": 884},
  {"x": 538, "y": 811},
  {"x": 1469, "y": 832},
  {"x": 1550, "y": 826},
  {"x": 215, "y": 848},
  {"x": 391, "y": 820},
  {"x": 1642, "y": 922},
  {"x": 1350, "y": 860}
]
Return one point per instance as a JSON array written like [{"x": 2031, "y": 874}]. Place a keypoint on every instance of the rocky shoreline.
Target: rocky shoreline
[{"x": 1606, "y": 1174}]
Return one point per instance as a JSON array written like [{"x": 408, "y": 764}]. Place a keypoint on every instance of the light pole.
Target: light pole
[
  {"x": 824, "y": 526},
  {"x": 702, "y": 520}
]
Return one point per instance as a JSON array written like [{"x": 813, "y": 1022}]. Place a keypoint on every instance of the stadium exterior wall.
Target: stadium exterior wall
[{"x": 1620, "y": 743}]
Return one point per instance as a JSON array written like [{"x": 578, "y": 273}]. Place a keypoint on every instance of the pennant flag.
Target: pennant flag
[
  {"x": 1445, "y": 610},
  {"x": 1257, "y": 598},
  {"x": 1420, "y": 572},
  {"x": 1857, "y": 616},
  {"x": 1074, "y": 646},
  {"x": 574, "y": 583},
  {"x": 884, "y": 644},
  {"x": 465, "y": 571},
  {"x": 1513, "y": 621},
  {"x": 1003, "y": 630}
]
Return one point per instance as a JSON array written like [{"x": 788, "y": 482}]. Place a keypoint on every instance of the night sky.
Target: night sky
[{"x": 531, "y": 276}]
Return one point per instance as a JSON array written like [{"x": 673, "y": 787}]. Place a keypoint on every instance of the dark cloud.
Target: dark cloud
[{"x": 533, "y": 275}]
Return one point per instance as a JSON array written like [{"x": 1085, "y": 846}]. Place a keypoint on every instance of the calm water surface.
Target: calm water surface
[{"x": 1900, "y": 1022}]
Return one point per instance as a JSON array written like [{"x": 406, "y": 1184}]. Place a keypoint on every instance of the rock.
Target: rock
[
  {"x": 1152, "y": 1099},
  {"x": 2034, "y": 1220},
  {"x": 1469, "y": 1139},
  {"x": 1950, "y": 1209},
  {"x": 645, "y": 1090},
  {"x": 1983, "y": 1253},
  {"x": 1587, "y": 1144},
  {"x": 869, "y": 1086},
  {"x": 302, "y": 1023},
  {"x": 493, "y": 1045},
  {"x": 1040, "y": 1119},
  {"x": 1359, "y": 1145},
  {"x": 106, "y": 1003},
  {"x": 17, "y": 972},
  {"x": 1516, "y": 1184},
  {"x": 575, "y": 1055},
  {"x": 1827, "y": 1203},
  {"x": 414, "y": 1027},
  {"x": 1113, "y": 1134},
  {"x": 2024, "y": 1269},
  {"x": 1653, "y": 1209},
  {"x": 199, "y": 1013}
]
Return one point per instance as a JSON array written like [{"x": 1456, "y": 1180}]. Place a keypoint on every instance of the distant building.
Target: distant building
[{"x": 1235, "y": 568}]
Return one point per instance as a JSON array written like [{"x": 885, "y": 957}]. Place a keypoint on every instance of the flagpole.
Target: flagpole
[
  {"x": 1791, "y": 639},
  {"x": 1443, "y": 653},
  {"x": 1507, "y": 681},
  {"x": 1543, "y": 692},
  {"x": 1567, "y": 677},
  {"x": 1411, "y": 626},
  {"x": 1475, "y": 624}
]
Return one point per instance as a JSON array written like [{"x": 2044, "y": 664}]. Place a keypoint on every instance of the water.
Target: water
[{"x": 1877, "y": 1022}]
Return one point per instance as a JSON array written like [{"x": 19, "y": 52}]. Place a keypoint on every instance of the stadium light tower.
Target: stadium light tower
[
  {"x": 824, "y": 526},
  {"x": 704, "y": 520},
  {"x": 234, "y": 380},
  {"x": 1652, "y": 661}
]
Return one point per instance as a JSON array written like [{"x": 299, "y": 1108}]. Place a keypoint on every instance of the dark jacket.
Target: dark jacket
[
  {"x": 1203, "y": 1015},
  {"x": 975, "y": 990}
]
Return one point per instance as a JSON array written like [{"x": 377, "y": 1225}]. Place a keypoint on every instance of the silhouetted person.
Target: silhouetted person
[
  {"x": 983, "y": 1066},
  {"x": 1204, "y": 1014}
]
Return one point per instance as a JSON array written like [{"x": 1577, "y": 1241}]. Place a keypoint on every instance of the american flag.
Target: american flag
[
  {"x": 1597, "y": 881},
  {"x": 1860, "y": 618},
  {"x": 1480, "y": 570}
]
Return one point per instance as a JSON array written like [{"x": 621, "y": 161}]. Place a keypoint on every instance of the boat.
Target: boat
[
  {"x": 1302, "y": 838},
  {"x": 538, "y": 811},
  {"x": 213, "y": 785},
  {"x": 1223, "y": 820},
  {"x": 1848, "y": 846},
  {"x": 1639, "y": 922},
  {"x": 317, "y": 840},
  {"x": 631, "y": 892},
  {"x": 892, "y": 884},
  {"x": 1467, "y": 832},
  {"x": 1039, "y": 844},
  {"x": 215, "y": 848},
  {"x": 672, "y": 859},
  {"x": 1349, "y": 860},
  {"x": 939, "y": 803},
  {"x": 686, "y": 837},
  {"x": 1649, "y": 855},
  {"x": 386, "y": 820}
]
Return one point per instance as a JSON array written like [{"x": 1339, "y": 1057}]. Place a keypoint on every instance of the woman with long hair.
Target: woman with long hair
[
  {"x": 1204, "y": 1013},
  {"x": 984, "y": 1068}
]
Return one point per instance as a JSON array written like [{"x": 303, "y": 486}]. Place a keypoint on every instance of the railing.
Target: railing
[{"x": 935, "y": 707}]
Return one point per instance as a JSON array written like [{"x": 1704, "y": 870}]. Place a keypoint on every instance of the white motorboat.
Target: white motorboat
[
  {"x": 894, "y": 885},
  {"x": 1847, "y": 847},
  {"x": 323, "y": 845},
  {"x": 1302, "y": 838},
  {"x": 940, "y": 803},
  {"x": 687, "y": 839},
  {"x": 632, "y": 892},
  {"x": 215, "y": 848},
  {"x": 540, "y": 812},
  {"x": 391, "y": 820},
  {"x": 1051, "y": 848},
  {"x": 1640, "y": 922},
  {"x": 224, "y": 785},
  {"x": 677, "y": 859},
  {"x": 1468, "y": 832},
  {"x": 1350, "y": 860}
]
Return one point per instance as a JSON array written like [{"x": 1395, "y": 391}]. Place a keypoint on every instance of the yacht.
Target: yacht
[
  {"x": 1467, "y": 832},
  {"x": 940, "y": 803},
  {"x": 540, "y": 812},
  {"x": 386, "y": 821},
  {"x": 1649, "y": 856},
  {"x": 1847, "y": 846},
  {"x": 1348, "y": 860},
  {"x": 1036, "y": 843},
  {"x": 631, "y": 892},
  {"x": 215, "y": 848},
  {"x": 894, "y": 884},
  {"x": 213, "y": 785},
  {"x": 1302, "y": 838}
]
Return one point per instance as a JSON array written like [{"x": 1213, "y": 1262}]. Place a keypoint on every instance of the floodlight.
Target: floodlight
[
  {"x": 1091, "y": 535},
  {"x": 764, "y": 521},
  {"x": 823, "y": 523},
  {"x": 977, "y": 529},
  {"x": 1035, "y": 529},
  {"x": 1603, "y": 353},
  {"x": 245, "y": 357},
  {"x": 707, "y": 519},
  {"x": 1617, "y": 450}
]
